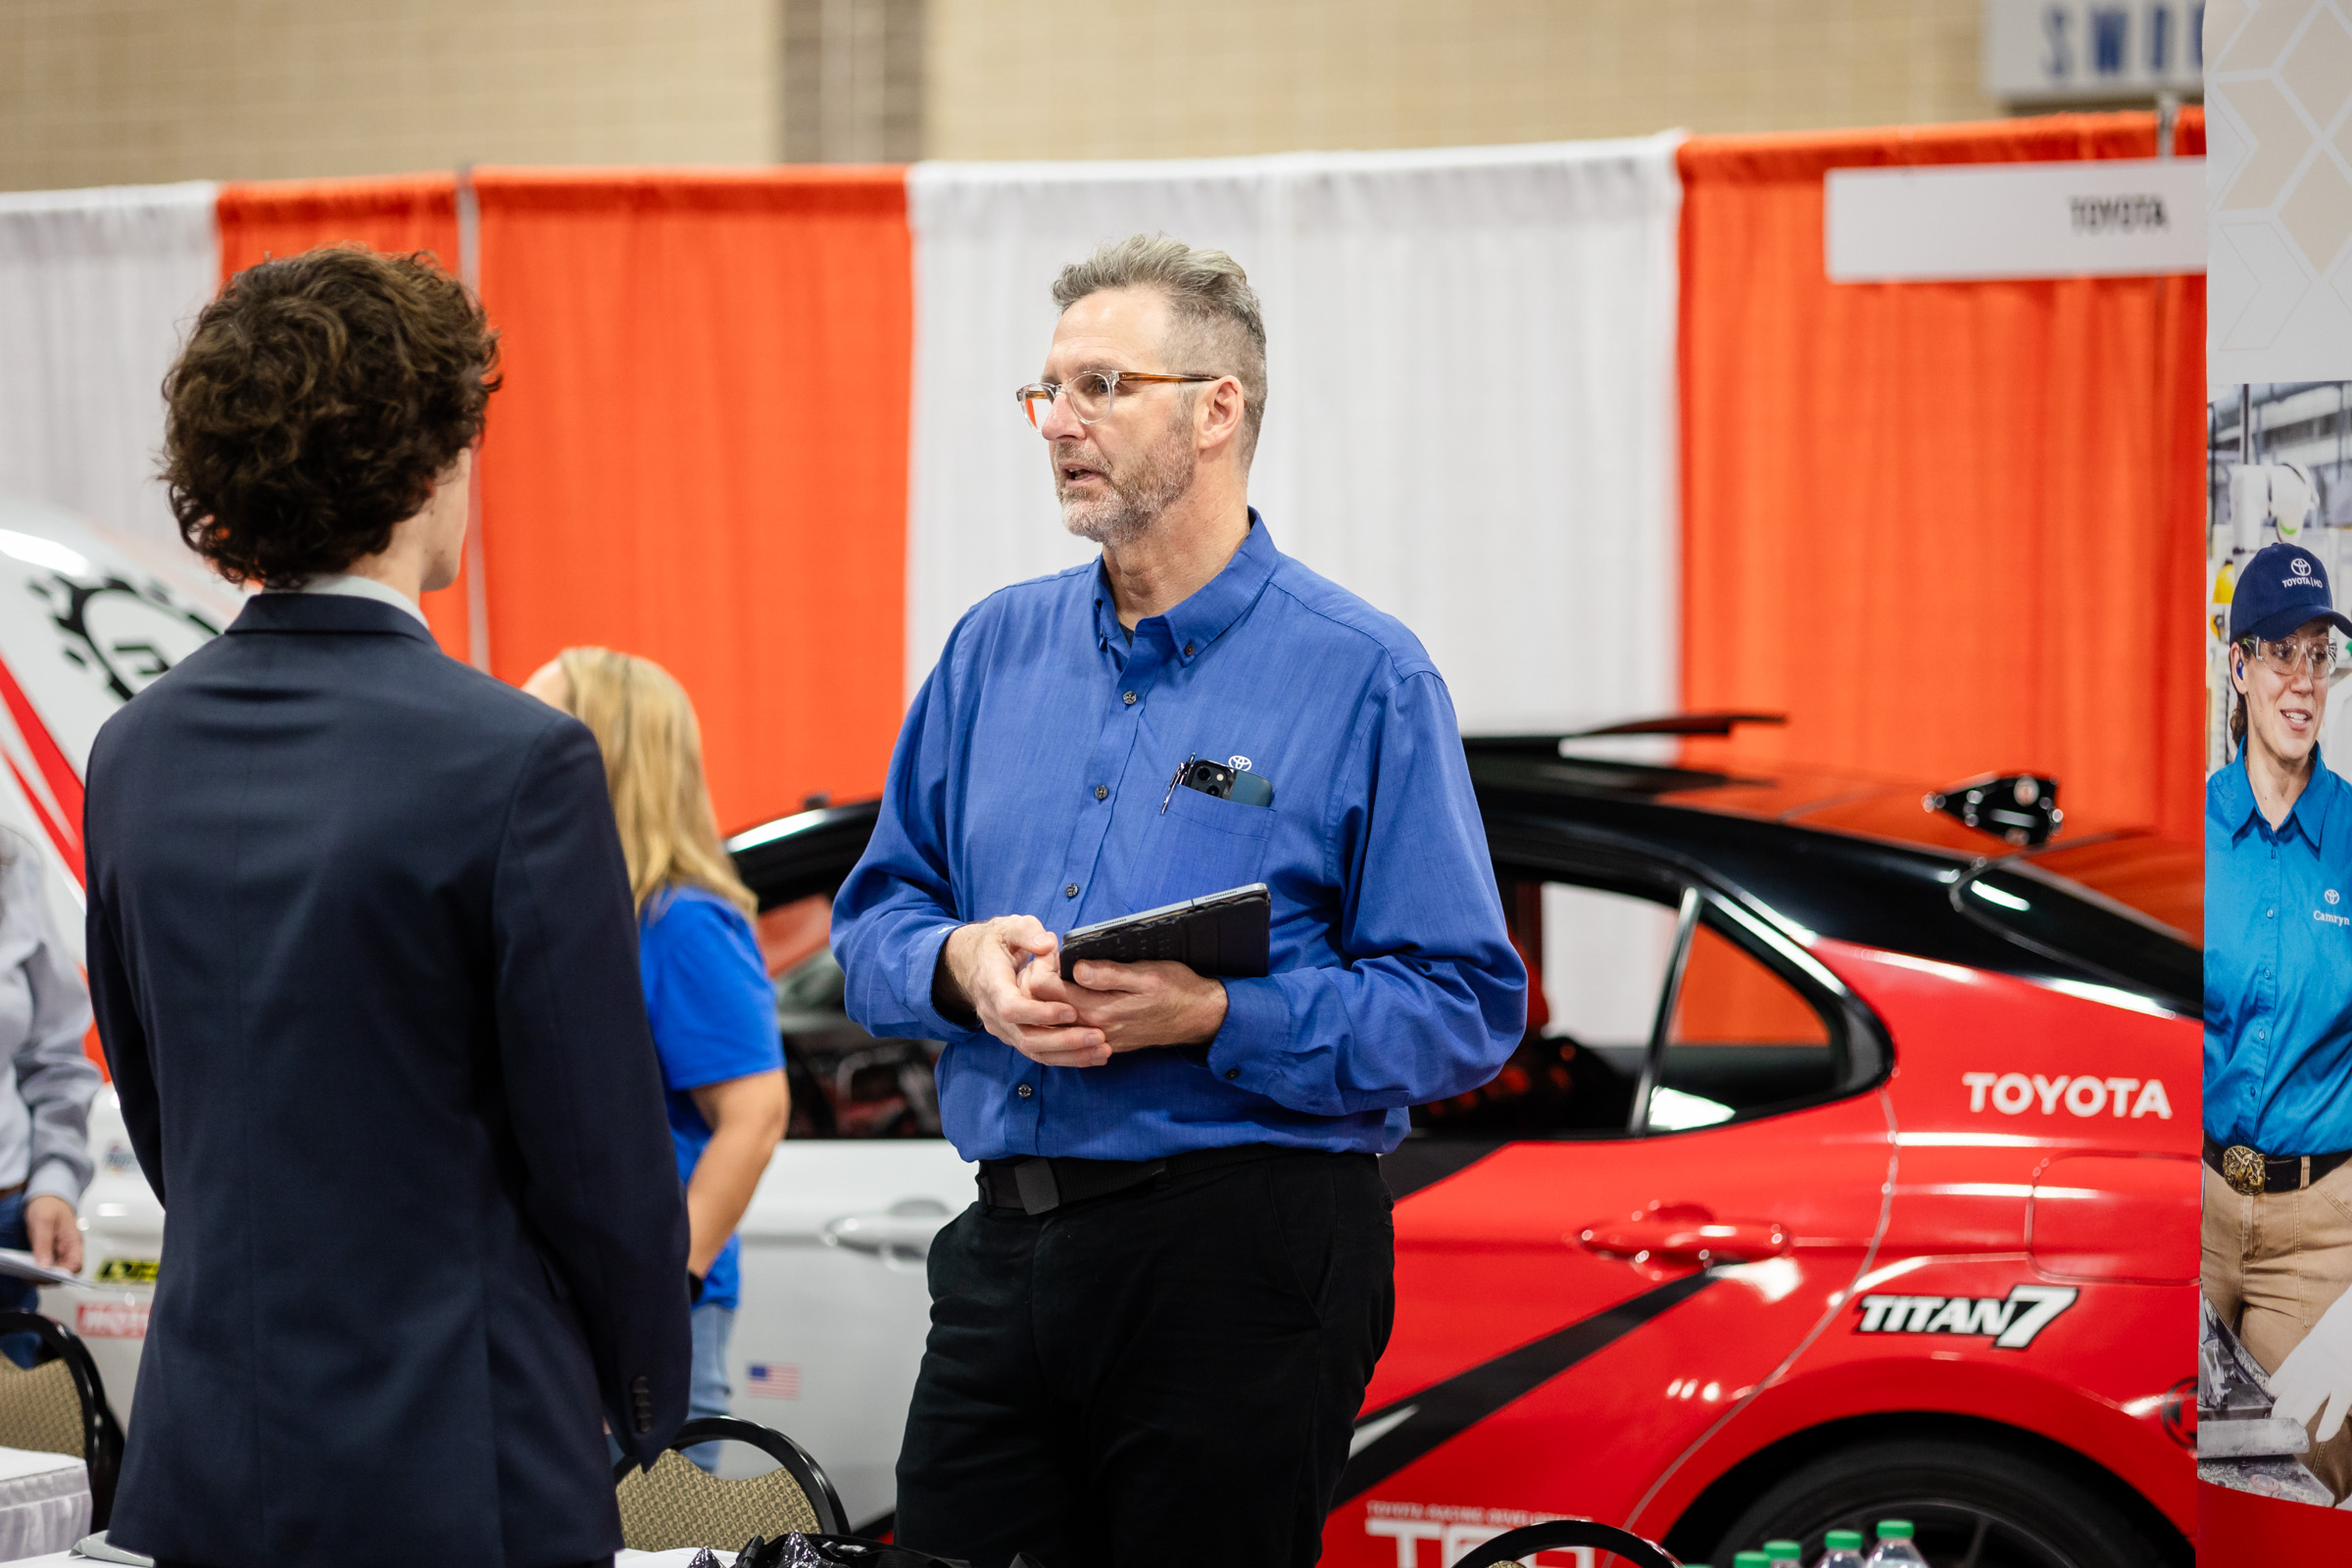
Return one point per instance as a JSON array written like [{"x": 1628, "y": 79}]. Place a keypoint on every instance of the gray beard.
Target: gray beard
[{"x": 1154, "y": 479}]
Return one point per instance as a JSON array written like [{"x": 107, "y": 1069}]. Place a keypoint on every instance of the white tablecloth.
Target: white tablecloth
[{"x": 44, "y": 1502}]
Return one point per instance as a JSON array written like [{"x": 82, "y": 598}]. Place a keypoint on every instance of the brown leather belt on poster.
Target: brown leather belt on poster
[
  {"x": 1038, "y": 1185},
  {"x": 2251, "y": 1171}
]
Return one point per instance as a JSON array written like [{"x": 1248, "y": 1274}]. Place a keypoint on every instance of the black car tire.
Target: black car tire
[{"x": 1976, "y": 1506}]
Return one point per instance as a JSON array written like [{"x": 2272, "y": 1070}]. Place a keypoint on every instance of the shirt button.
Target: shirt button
[
  {"x": 1102, "y": 792},
  {"x": 1233, "y": 1072},
  {"x": 1024, "y": 1090},
  {"x": 1128, "y": 699},
  {"x": 1188, "y": 650},
  {"x": 1071, "y": 892}
]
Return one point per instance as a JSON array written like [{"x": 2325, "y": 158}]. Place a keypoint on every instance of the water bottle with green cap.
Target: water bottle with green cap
[
  {"x": 1779, "y": 1551},
  {"x": 1842, "y": 1549},
  {"x": 1895, "y": 1549},
  {"x": 1751, "y": 1559}
]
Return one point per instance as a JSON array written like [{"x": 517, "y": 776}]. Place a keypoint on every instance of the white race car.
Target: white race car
[{"x": 835, "y": 1306}]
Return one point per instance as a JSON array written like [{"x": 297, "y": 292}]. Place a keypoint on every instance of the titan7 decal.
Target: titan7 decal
[{"x": 2010, "y": 1321}]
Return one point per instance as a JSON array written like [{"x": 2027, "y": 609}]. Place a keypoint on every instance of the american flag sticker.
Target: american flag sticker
[{"x": 772, "y": 1380}]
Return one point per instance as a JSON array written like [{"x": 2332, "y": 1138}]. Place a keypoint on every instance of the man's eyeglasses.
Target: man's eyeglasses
[
  {"x": 2294, "y": 655},
  {"x": 1091, "y": 394}
]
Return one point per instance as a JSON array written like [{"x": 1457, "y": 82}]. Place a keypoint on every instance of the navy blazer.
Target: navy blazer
[{"x": 365, "y": 964}]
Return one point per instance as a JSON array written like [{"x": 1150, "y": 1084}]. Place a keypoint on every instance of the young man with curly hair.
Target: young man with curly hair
[{"x": 364, "y": 963}]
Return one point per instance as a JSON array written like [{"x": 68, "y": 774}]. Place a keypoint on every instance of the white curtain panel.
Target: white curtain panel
[
  {"x": 97, "y": 290},
  {"x": 1471, "y": 412}
]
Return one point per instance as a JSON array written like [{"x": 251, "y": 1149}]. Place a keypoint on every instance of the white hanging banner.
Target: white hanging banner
[
  {"x": 97, "y": 291},
  {"x": 2096, "y": 217},
  {"x": 1470, "y": 415}
]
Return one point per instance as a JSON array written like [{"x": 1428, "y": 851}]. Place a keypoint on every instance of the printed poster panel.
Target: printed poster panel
[{"x": 2275, "y": 1364}]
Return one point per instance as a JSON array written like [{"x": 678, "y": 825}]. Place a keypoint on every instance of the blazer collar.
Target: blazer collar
[{"x": 327, "y": 613}]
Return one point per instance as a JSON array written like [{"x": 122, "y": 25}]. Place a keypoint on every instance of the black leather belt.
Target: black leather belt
[
  {"x": 2251, "y": 1171},
  {"x": 1036, "y": 1184}
]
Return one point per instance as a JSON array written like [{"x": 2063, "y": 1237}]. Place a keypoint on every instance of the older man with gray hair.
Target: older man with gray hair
[{"x": 1150, "y": 1336}]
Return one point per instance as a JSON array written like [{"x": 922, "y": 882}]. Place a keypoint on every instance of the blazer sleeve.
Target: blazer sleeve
[{"x": 583, "y": 1087}]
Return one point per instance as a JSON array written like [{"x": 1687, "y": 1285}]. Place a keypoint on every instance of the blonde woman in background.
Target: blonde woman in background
[{"x": 707, "y": 991}]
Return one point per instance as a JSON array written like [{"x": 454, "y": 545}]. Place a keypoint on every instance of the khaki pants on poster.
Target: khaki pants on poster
[{"x": 2272, "y": 1264}]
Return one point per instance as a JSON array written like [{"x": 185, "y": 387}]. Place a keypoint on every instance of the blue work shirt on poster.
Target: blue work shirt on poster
[
  {"x": 2278, "y": 966},
  {"x": 1032, "y": 777},
  {"x": 713, "y": 1016}
]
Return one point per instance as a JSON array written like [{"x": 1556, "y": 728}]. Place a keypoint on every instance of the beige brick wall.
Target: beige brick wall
[
  {"x": 1151, "y": 78},
  {"x": 105, "y": 91},
  {"x": 109, "y": 91}
]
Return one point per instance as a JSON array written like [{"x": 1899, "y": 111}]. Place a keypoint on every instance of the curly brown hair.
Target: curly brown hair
[{"x": 319, "y": 399}]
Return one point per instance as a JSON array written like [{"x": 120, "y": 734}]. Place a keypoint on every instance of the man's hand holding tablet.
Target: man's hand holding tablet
[
  {"x": 1112, "y": 990},
  {"x": 990, "y": 963},
  {"x": 1153, "y": 978},
  {"x": 1134, "y": 1005}
]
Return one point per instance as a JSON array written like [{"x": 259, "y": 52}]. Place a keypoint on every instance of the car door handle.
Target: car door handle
[
  {"x": 903, "y": 1230},
  {"x": 1685, "y": 1235}
]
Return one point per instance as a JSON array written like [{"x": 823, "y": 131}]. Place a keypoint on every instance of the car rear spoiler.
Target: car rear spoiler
[{"x": 1715, "y": 724}]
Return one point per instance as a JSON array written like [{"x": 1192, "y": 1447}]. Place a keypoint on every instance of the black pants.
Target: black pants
[{"x": 1167, "y": 1375}]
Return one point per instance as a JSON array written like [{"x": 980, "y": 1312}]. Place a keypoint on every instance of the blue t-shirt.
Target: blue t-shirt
[{"x": 714, "y": 1014}]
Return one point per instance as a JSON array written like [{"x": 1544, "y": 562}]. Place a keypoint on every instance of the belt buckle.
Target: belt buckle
[
  {"x": 1033, "y": 1179},
  {"x": 2242, "y": 1169}
]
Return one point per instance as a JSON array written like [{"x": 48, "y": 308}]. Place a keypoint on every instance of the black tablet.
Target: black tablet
[{"x": 1222, "y": 935}]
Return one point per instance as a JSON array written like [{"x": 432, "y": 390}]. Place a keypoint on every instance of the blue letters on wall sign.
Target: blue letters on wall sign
[{"x": 2110, "y": 29}]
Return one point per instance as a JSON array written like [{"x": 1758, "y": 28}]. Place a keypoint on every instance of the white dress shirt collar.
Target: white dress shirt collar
[{"x": 354, "y": 587}]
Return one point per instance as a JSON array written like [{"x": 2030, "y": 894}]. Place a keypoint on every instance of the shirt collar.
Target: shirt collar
[
  {"x": 2321, "y": 800},
  {"x": 1214, "y": 607},
  {"x": 355, "y": 587}
]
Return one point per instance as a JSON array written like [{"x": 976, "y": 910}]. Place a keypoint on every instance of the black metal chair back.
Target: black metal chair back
[
  {"x": 58, "y": 1405},
  {"x": 1553, "y": 1533},
  {"x": 676, "y": 1503}
]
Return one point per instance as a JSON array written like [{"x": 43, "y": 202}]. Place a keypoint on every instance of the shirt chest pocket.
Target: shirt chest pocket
[{"x": 1204, "y": 845}]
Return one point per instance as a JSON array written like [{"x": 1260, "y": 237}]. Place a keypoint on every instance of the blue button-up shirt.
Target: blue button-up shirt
[
  {"x": 2278, "y": 966},
  {"x": 1032, "y": 778}
]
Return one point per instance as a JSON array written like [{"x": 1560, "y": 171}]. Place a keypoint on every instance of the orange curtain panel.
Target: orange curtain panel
[
  {"x": 699, "y": 455},
  {"x": 403, "y": 213},
  {"x": 1948, "y": 528}
]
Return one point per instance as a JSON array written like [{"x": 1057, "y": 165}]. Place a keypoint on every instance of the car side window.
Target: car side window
[
  {"x": 844, "y": 1083},
  {"x": 1641, "y": 988},
  {"x": 1597, "y": 960},
  {"x": 1741, "y": 1040}
]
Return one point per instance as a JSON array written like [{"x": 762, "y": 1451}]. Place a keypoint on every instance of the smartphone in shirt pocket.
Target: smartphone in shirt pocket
[{"x": 1204, "y": 845}]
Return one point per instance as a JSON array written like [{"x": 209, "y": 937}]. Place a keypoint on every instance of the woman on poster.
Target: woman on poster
[{"x": 2278, "y": 1199}]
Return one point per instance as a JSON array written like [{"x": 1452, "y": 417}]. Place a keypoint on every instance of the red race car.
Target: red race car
[{"x": 1847, "y": 1170}]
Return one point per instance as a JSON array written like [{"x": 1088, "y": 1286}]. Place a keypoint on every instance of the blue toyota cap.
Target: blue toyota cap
[{"x": 2282, "y": 587}]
